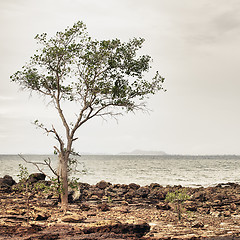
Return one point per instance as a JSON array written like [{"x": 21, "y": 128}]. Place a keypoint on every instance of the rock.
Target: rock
[
  {"x": 102, "y": 185},
  {"x": 226, "y": 214},
  {"x": 200, "y": 196},
  {"x": 163, "y": 206},
  {"x": 8, "y": 180},
  {"x": 142, "y": 192},
  {"x": 5, "y": 184},
  {"x": 94, "y": 191},
  {"x": 133, "y": 186},
  {"x": 233, "y": 206},
  {"x": 122, "y": 209},
  {"x": 130, "y": 195},
  {"x": 155, "y": 185},
  {"x": 123, "y": 186},
  {"x": 85, "y": 207},
  {"x": 220, "y": 196},
  {"x": 190, "y": 206},
  {"x": 217, "y": 202},
  {"x": 121, "y": 192},
  {"x": 138, "y": 229},
  {"x": 117, "y": 191},
  {"x": 215, "y": 213},
  {"x": 35, "y": 177},
  {"x": 94, "y": 197},
  {"x": 73, "y": 218},
  {"x": 4, "y": 188},
  {"x": 197, "y": 224},
  {"x": 41, "y": 216},
  {"x": 13, "y": 212},
  {"x": 157, "y": 193},
  {"x": 103, "y": 207}
]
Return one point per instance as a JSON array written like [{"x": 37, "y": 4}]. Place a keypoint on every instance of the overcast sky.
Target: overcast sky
[{"x": 195, "y": 45}]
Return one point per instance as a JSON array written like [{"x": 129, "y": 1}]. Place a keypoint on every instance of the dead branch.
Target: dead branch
[{"x": 45, "y": 163}]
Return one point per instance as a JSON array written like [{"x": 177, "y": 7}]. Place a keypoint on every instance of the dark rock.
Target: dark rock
[
  {"x": 190, "y": 206},
  {"x": 35, "y": 177},
  {"x": 155, "y": 185},
  {"x": 103, "y": 207},
  {"x": 157, "y": 193},
  {"x": 5, "y": 184},
  {"x": 4, "y": 188},
  {"x": 116, "y": 186},
  {"x": 110, "y": 190},
  {"x": 84, "y": 207},
  {"x": 43, "y": 236},
  {"x": 83, "y": 186},
  {"x": 124, "y": 186},
  {"x": 121, "y": 192},
  {"x": 117, "y": 191},
  {"x": 220, "y": 196},
  {"x": 102, "y": 184},
  {"x": 177, "y": 187},
  {"x": 200, "y": 196},
  {"x": 134, "y": 186},
  {"x": 41, "y": 216},
  {"x": 142, "y": 192},
  {"x": 128, "y": 230},
  {"x": 49, "y": 196},
  {"x": 130, "y": 195},
  {"x": 8, "y": 180},
  {"x": 95, "y": 192}
]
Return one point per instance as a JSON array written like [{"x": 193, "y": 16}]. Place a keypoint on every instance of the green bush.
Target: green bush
[{"x": 177, "y": 197}]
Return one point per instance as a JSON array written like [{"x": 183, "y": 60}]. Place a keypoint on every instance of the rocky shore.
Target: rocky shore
[{"x": 118, "y": 211}]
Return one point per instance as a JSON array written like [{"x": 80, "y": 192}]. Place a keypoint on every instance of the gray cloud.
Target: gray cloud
[
  {"x": 228, "y": 21},
  {"x": 212, "y": 23}
]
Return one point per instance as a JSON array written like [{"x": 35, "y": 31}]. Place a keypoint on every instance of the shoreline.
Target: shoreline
[
  {"x": 187, "y": 171},
  {"x": 120, "y": 211}
]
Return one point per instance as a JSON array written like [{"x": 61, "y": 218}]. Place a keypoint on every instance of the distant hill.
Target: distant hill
[{"x": 142, "y": 152}]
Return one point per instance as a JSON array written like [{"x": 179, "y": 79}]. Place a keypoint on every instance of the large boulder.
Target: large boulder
[
  {"x": 102, "y": 184},
  {"x": 35, "y": 177},
  {"x": 7, "y": 180},
  {"x": 5, "y": 183}
]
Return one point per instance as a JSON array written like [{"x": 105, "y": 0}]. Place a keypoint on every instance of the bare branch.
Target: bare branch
[
  {"x": 59, "y": 140},
  {"x": 36, "y": 164}
]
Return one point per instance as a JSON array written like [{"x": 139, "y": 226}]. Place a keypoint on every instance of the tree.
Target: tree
[{"x": 105, "y": 78}]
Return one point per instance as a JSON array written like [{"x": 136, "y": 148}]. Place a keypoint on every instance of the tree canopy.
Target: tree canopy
[{"x": 98, "y": 75}]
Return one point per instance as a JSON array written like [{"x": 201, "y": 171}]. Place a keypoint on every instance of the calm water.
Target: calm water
[{"x": 143, "y": 170}]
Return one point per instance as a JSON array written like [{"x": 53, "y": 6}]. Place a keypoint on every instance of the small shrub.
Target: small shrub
[{"x": 177, "y": 197}]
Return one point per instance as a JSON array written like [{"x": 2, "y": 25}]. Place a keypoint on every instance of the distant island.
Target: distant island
[{"x": 142, "y": 152}]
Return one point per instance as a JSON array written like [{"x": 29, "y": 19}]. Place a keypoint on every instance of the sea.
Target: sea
[{"x": 188, "y": 171}]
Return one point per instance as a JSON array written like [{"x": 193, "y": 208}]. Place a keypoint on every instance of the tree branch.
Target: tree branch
[{"x": 36, "y": 164}]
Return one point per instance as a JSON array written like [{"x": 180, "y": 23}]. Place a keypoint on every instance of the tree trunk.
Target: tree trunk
[{"x": 64, "y": 180}]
